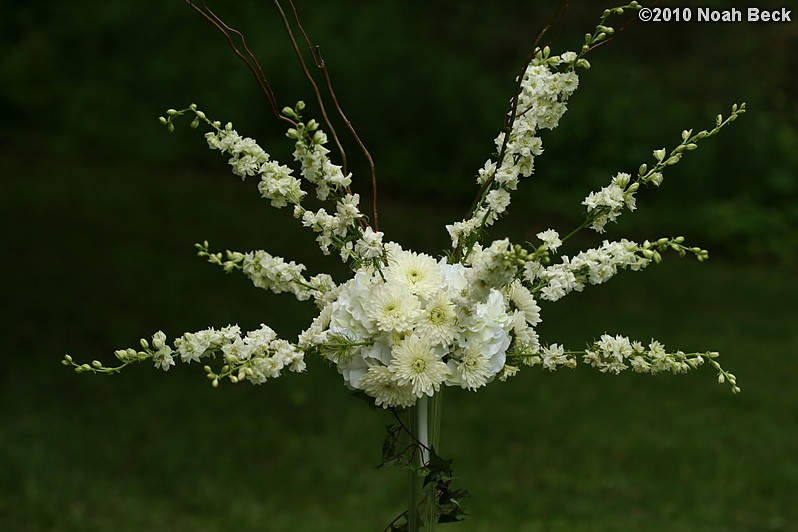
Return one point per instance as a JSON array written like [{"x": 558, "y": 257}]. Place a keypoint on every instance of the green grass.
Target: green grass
[{"x": 97, "y": 257}]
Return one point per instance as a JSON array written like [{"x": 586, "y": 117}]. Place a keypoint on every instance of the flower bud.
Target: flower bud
[
  {"x": 162, "y": 120},
  {"x": 201, "y": 115},
  {"x": 144, "y": 344},
  {"x": 171, "y": 112}
]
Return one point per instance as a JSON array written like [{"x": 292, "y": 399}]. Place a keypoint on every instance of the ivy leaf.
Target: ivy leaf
[{"x": 389, "y": 446}]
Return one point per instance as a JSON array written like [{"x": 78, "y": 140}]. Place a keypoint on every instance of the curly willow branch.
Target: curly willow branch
[
  {"x": 315, "y": 52},
  {"x": 249, "y": 59}
]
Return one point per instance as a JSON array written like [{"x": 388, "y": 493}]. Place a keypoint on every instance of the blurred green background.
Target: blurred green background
[{"x": 101, "y": 207}]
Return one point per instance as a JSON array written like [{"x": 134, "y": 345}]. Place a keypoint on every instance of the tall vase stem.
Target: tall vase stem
[
  {"x": 423, "y": 429},
  {"x": 424, "y": 423}
]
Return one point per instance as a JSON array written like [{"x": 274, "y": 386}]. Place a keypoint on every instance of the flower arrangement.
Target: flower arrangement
[{"x": 406, "y": 324}]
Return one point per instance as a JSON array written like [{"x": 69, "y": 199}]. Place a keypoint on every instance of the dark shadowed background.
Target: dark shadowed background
[{"x": 101, "y": 207}]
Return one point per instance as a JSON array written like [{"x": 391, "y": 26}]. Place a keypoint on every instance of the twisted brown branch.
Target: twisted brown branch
[
  {"x": 315, "y": 52},
  {"x": 315, "y": 87},
  {"x": 249, "y": 59}
]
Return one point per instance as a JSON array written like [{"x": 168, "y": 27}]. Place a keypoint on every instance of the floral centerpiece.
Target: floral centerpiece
[{"x": 406, "y": 324}]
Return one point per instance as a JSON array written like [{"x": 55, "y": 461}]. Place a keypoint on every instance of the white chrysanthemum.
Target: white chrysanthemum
[
  {"x": 473, "y": 370},
  {"x": 379, "y": 383},
  {"x": 525, "y": 336},
  {"x": 415, "y": 363},
  {"x": 438, "y": 320},
  {"x": 393, "y": 308},
  {"x": 524, "y": 301},
  {"x": 417, "y": 272}
]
